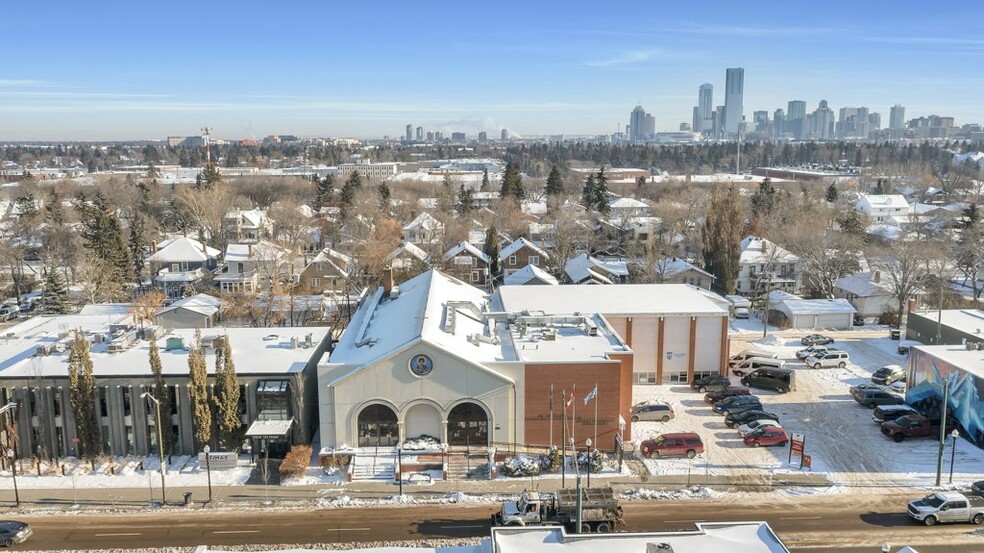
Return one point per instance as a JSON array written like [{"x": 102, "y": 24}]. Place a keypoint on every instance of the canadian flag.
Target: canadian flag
[{"x": 570, "y": 399}]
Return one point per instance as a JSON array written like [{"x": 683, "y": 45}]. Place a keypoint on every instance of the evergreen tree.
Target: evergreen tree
[
  {"x": 136, "y": 247},
  {"x": 81, "y": 383},
  {"x": 491, "y": 249},
  {"x": 601, "y": 192},
  {"x": 55, "y": 299},
  {"x": 465, "y": 198},
  {"x": 512, "y": 182},
  {"x": 970, "y": 216},
  {"x": 384, "y": 196},
  {"x": 722, "y": 237},
  {"x": 555, "y": 184},
  {"x": 764, "y": 199},
  {"x": 53, "y": 209},
  {"x": 832, "y": 193},
  {"x": 324, "y": 192},
  {"x": 208, "y": 178},
  {"x": 102, "y": 235},
  {"x": 227, "y": 397},
  {"x": 201, "y": 406},
  {"x": 162, "y": 393},
  {"x": 879, "y": 187},
  {"x": 850, "y": 223},
  {"x": 486, "y": 185},
  {"x": 588, "y": 192}
]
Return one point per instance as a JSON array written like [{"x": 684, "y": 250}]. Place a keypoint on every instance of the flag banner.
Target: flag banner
[
  {"x": 570, "y": 400},
  {"x": 591, "y": 395},
  {"x": 551, "y": 398}
]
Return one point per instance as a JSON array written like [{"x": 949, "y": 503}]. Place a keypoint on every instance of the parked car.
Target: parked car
[
  {"x": 14, "y": 532},
  {"x": 864, "y": 386},
  {"x": 737, "y": 419},
  {"x": 750, "y": 427},
  {"x": 904, "y": 346},
  {"x": 874, "y": 398},
  {"x": 891, "y": 412},
  {"x": 770, "y": 378},
  {"x": 734, "y": 403},
  {"x": 30, "y": 304},
  {"x": 915, "y": 426},
  {"x": 753, "y": 363},
  {"x": 829, "y": 359},
  {"x": 811, "y": 350},
  {"x": 888, "y": 374},
  {"x": 656, "y": 411},
  {"x": 713, "y": 397},
  {"x": 8, "y": 312},
  {"x": 737, "y": 358},
  {"x": 741, "y": 312},
  {"x": 769, "y": 435},
  {"x": 680, "y": 444},
  {"x": 894, "y": 333},
  {"x": 816, "y": 340},
  {"x": 858, "y": 320},
  {"x": 709, "y": 383}
]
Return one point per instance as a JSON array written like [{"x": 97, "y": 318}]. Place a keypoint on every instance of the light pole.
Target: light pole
[
  {"x": 953, "y": 452},
  {"x": 13, "y": 472},
  {"x": 944, "y": 415},
  {"x": 208, "y": 470},
  {"x": 160, "y": 443},
  {"x": 587, "y": 443}
]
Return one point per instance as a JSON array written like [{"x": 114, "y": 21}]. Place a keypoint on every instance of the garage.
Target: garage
[{"x": 816, "y": 314}]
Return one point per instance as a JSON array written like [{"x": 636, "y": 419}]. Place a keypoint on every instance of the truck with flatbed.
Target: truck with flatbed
[
  {"x": 913, "y": 426},
  {"x": 947, "y": 507},
  {"x": 600, "y": 510}
]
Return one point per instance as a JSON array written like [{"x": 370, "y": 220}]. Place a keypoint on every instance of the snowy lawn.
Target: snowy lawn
[{"x": 843, "y": 441}]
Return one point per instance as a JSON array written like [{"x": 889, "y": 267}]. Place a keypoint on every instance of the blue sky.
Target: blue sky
[{"x": 115, "y": 70}]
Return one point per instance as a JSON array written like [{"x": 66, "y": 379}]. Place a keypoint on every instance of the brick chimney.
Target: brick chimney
[
  {"x": 876, "y": 278},
  {"x": 153, "y": 247},
  {"x": 911, "y": 305},
  {"x": 387, "y": 281}
]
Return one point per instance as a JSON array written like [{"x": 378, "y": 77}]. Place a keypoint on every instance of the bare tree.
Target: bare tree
[
  {"x": 904, "y": 267},
  {"x": 207, "y": 209},
  {"x": 826, "y": 255}
]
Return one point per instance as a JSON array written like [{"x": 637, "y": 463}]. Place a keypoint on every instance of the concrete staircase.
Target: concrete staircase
[
  {"x": 374, "y": 467},
  {"x": 462, "y": 464}
]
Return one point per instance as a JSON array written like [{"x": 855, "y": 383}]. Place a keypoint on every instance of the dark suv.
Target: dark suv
[
  {"x": 713, "y": 397},
  {"x": 873, "y": 398},
  {"x": 737, "y": 419},
  {"x": 680, "y": 444},
  {"x": 726, "y": 406},
  {"x": 709, "y": 383}
]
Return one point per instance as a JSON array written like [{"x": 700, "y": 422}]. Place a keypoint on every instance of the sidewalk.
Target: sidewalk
[{"x": 258, "y": 496}]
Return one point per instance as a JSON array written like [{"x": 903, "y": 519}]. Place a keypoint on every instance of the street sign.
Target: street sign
[
  {"x": 807, "y": 462},
  {"x": 796, "y": 446}
]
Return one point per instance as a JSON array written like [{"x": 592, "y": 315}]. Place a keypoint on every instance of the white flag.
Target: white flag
[{"x": 591, "y": 395}]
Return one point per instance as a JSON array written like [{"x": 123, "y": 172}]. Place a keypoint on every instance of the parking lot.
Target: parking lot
[{"x": 846, "y": 446}]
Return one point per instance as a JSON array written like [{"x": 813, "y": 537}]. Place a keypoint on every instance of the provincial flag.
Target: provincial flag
[
  {"x": 591, "y": 395},
  {"x": 570, "y": 399}
]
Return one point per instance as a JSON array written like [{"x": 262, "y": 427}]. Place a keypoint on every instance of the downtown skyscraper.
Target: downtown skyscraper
[
  {"x": 704, "y": 110},
  {"x": 734, "y": 91}
]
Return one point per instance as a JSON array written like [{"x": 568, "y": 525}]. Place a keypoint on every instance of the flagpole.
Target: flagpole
[
  {"x": 551, "y": 412},
  {"x": 596, "y": 416},
  {"x": 577, "y": 469},
  {"x": 563, "y": 448}
]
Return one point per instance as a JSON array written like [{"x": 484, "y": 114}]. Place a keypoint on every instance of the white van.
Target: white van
[
  {"x": 749, "y": 353},
  {"x": 752, "y": 363}
]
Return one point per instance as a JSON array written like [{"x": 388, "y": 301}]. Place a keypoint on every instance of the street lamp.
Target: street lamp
[
  {"x": 208, "y": 470},
  {"x": 160, "y": 443},
  {"x": 587, "y": 443},
  {"x": 953, "y": 452},
  {"x": 13, "y": 472}
]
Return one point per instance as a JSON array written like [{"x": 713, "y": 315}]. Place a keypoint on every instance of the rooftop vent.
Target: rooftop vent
[
  {"x": 659, "y": 548},
  {"x": 173, "y": 343}
]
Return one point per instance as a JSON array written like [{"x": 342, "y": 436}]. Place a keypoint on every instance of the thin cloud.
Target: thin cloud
[
  {"x": 21, "y": 82},
  {"x": 627, "y": 58}
]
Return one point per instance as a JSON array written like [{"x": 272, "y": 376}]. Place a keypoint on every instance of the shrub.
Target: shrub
[
  {"x": 532, "y": 465},
  {"x": 596, "y": 461},
  {"x": 296, "y": 462}
]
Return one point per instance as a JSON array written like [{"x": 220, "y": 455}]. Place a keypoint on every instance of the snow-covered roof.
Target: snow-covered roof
[
  {"x": 182, "y": 248},
  {"x": 250, "y": 217},
  {"x": 255, "y": 350},
  {"x": 517, "y": 245},
  {"x": 425, "y": 221},
  {"x": 338, "y": 259},
  {"x": 268, "y": 428},
  {"x": 465, "y": 247},
  {"x": 262, "y": 250},
  {"x": 624, "y": 299},
  {"x": 202, "y": 304},
  {"x": 755, "y": 249},
  {"x": 973, "y": 157},
  {"x": 864, "y": 285},
  {"x": 625, "y": 203},
  {"x": 676, "y": 266},
  {"x": 969, "y": 321},
  {"x": 529, "y": 273},
  {"x": 409, "y": 248},
  {"x": 884, "y": 201},
  {"x": 818, "y": 307},
  {"x": 106, "y": 309},
  {"x": 581, "y": 269},
  {"x": 533, "y": 207}
]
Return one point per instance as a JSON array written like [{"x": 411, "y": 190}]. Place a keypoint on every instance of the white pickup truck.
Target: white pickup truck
[{"x": 948, "y": 507}]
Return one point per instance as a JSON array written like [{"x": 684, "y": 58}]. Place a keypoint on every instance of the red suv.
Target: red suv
[
  {"x": 772, "y": 435},
  {"x": 681, "y": 444},
  {"x": 717, "y": 395}
]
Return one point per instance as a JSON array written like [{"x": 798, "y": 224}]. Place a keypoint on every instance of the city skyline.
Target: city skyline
[{"x": 111, "y": 71}]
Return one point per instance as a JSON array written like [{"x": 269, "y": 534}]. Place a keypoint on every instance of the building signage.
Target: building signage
[
  {"x": 796, "y": 446},
  {"x": 218, "y": 460}
]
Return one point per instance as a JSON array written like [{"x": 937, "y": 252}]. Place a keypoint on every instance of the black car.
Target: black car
[
  {"x": 738, "y": 419},
  {"x": 858, "y": 320},
  {"x": 731, "y": 403},
  {"x": 13, "y": 532},
  {"x": 708, "y": 383},
  {"x": 816, "y": 340}
]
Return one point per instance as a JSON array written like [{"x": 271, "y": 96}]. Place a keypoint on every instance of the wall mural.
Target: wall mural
[{"x": 965, "y": 394}]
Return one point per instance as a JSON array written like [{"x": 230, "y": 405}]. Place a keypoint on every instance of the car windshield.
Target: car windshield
[
  {"x": 659, "y": 441},
  {"x": 933, "y": 500}
]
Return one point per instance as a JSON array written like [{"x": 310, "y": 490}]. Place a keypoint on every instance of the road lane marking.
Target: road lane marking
[
  {"x": 120, "y": 534},
  {"x": 235, "y": 531},
  {"x": 799, "y": 518}
]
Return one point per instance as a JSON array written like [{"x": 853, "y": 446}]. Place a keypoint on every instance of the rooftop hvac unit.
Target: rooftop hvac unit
[
  {"x": 98, "y": 338},
  {"x": 173, "y": 343},
  {"x": 293, "y": 342},
  {"x": 41, "y": 350},
  {"x": 550, "y": 335},
  {"x": 659, "y": 548},
  {"x": 309, "y": 340}
]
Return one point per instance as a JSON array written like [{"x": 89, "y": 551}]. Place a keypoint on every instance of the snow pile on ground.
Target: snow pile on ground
[
  {"x": 317, "y": 476},
  {"x": 451, "y": 498},
  {"x": 771, "y": 340},
  {"x": 646, "y": 494},
  {"x": 423, "y": 443}
]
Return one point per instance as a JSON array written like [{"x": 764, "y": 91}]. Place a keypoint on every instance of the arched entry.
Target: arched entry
[
  {"x": 422, "y": 419},
  {"x": 468, "y": 424},
  {"x": 378, "y": 426}
]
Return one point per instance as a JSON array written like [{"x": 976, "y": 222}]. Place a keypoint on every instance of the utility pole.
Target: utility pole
[
  {"x": 160, "y": 444},
  {"x": 943, "y": 418}
]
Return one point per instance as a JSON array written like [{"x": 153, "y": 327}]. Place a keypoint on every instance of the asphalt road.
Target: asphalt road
[{"x": 819, "y": 525}]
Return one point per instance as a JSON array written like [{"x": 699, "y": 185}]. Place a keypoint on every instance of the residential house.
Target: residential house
[
  {"x": 250, "y": 267},
  {"x": 812, "y": 314},
  {"x": 519, "y": 253},
  {"x": 328, "y": 272},
  {"x": 198, "y": 311},
  {"x": 247, "y": 226},
  {"x": 867, "y": 292},
  {"x": 627, "y": 207},
  {"x": 407, "y": 261},
  {"x": 530, "y": 275},
  {"x": 585, "y": 269},
  {"x": 178, "y": 265},
  {"x": 890, "y": 209},
  {"x": 469, "y": 264},
  {"x": 680, "y": 271},
  {"x": 762, "y": 265},
  {"x": 424, "y": 229}
]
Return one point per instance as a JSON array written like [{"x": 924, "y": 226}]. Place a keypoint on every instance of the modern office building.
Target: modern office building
[
  {"x": 761, "y": 120},
  {"x": 896, "y": 119},
  {"x": 734, "y": 90},
  {"x": 504, "y": 135},
  {"x": 420, "y": 134},
  {"x": 642, "y": 125},
  {"x": 822, "y": 127},
  {"x": 779, "y": 123},
  {"x": 409, "y": 133},
  {"x": 795, "y": 118},
  {"x": 703, "y": 116}
]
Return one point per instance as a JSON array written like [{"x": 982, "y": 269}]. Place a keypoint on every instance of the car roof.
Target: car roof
[
  {"x": 12, "y": 523},
  {"x": 674, "y": 435}
]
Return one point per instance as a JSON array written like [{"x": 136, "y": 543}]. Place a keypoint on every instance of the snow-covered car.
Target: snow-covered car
[
  {"x": 748, "y": 428},
  {"x": 888, "y": 374},
  {"x": 811, "y": 350},
  {"x": 828, "y": 359},
  {"x": 898, "y": 386},
  {"x": 816, "y": 340}
]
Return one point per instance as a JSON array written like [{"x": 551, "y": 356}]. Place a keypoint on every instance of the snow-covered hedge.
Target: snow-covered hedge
[
  {"x": 596, "y": 461},
  {"x": 421, "y": 443},
  {"x": 531, "y": 465}
]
